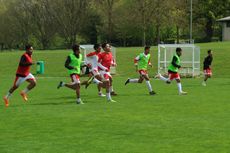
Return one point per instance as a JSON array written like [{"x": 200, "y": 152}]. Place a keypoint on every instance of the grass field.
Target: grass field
[{"x": 138, "y": 123}]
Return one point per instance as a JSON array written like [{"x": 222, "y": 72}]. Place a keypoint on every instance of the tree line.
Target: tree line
[{"x": 50, "y": 24}]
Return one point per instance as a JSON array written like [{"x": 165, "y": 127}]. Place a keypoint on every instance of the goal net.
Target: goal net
[
  {"x": 190, "y": 59},
  {"x": 85, "y": 49}
]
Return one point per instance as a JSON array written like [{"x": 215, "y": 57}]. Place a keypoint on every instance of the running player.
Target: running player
[
  {"x": 106, "y": 60},
  {"x": 207, "y": 67},
  {"x": 142, "y": 61},
  {"x": 23, "y": 74},
  {"x": 92, "y": 63},
  {"x": 73, "y": 64},
  {"x": 173, "y": 69}
]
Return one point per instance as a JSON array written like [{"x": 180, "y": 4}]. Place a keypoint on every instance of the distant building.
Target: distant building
[{"x": 225, "y": 28}]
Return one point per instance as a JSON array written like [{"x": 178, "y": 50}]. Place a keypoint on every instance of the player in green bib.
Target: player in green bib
[
  {"x": 73, "y": 65},
  {"x": 173, "y": 69},
  {"x": 142, "y": 61}
]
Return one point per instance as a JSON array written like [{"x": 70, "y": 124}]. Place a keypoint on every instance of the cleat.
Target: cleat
[
  {"x": 113, "y": 93},
  {"x": 168, "y": 82},
  {"x": 183, "y": 93},
  {"x": 60, "y": 84},
  {"x": 101, "y": 95},
  {"x": 127, "y": 81},
  {"x": 6, "y": 101},
  {"x": 24, "y": 96},
  {"x": 111, "y": 101},
  {"x": 204, "y": 83},
  {"x": 152, "y": 93},
  {"x": 80, "y": 102}
]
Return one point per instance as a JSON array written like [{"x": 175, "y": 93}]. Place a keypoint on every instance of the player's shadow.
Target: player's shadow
[{"x": 58, "y": 101}]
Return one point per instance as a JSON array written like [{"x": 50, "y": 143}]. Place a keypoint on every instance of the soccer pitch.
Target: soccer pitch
[{"x": 138, "y": 123}]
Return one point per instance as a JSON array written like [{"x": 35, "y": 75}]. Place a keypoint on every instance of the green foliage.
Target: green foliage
[{"x": 121, "y": 22}]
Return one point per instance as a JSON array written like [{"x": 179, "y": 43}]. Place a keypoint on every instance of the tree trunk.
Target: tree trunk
[
  {"x": 209, "y": 30},
  {"x": 158, "y": 34},
  {"x": 177, "y": 34}
]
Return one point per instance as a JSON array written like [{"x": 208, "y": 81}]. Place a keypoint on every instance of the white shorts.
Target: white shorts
[
  {"x": 94, "y": 71},
  {"x": 19, "y": 80},
  {"x": 105, "y": 75}
]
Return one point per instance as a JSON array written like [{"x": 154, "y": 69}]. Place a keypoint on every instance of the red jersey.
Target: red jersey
[
  {"x": 24, "y": 65},
  {"x": 106, "y": 59}
]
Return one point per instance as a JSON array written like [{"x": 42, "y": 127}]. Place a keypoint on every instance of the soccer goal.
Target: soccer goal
[
  {"x": 190, "y": 59},
  {"x": 85, "y": 49}
]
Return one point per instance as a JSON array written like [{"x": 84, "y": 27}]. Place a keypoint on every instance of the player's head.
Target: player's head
[
  {"x": 76, "y": 49},
  {"x": 29, "y": 49},
  {"x": 97, "y": 47},
  {"x": 209, "y": 52},
  {"x": 147, "y": 49},
  {"x": 178, "y": 51},
  {"x": 106, "y": 47}
]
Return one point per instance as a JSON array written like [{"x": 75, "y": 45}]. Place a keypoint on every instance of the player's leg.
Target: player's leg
[
  {"x": 32, "y": 84},
  {"x": 207, "y": 74},
  {"x": 146, "y": 77},
  {"x": 98, "y": 80},
  {"x": 89, "y": 81},
  {"x": 78, "y": 101},
  {"x": 17, "y": 82},
  {"x": 159, "y": 76},
  {"x": 74, "y": 78},
  {"x": 106, "y": 81},
  {"x": 135, "y": 80},
  {"x": 113, "y": 93},
  {"x": 179, "y": 85}
]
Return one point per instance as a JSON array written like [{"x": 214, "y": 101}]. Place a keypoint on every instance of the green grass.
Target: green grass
[{"x": 138, "y": 123}]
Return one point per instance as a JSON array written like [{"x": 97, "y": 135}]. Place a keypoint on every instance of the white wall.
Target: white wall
[{"x": 226, "y": 32}]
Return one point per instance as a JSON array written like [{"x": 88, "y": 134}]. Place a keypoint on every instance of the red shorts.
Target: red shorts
[
  {"x": 75, "y": 78},
  {"x": 208, "y": 72},
  {"x": 143, "y": 72},
  {"x": 173, "y": 76}
]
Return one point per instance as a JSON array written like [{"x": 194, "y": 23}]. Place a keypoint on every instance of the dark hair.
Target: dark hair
[
  {"x": 96, "y": 46},
  {"x": 75, "y": 47},
  {"x": 209, "y": 51},
  {"x": 178, "y": 49},
  {"x": 28, "y": 46},
  {"x": 103, "y": 45},
  {"x": 147, "y": 47}
]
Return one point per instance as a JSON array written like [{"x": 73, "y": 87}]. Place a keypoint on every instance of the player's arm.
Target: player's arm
[
  {"x": 174, "y": 62},
  {"x": 113, "y": 63},
  {"x": 210, "y": 61},
  {"x": 99, "y": 63},
  {"x": 67, "y": 63},
  {"x": 91, "y": 54},
  {"x": 136, "y": 59},
  {"x": 149, "y": 63},
  {"x": 88, "y": 62},
  {"x": 23, "y": 61}
]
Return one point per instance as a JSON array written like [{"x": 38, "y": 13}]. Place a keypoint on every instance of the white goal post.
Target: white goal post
[
  {"x": 85, "y": 49},
  {"x": 190, "y": 59}
]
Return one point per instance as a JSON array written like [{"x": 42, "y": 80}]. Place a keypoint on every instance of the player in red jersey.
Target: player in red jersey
[
  {"x": 23, "y": 74},
  {"x": 105, "y": 61},
  {"x": 92, "y": 64}
]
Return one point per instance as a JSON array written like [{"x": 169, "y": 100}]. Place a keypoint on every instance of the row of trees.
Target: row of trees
[{"x": 61, "y": 23}]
